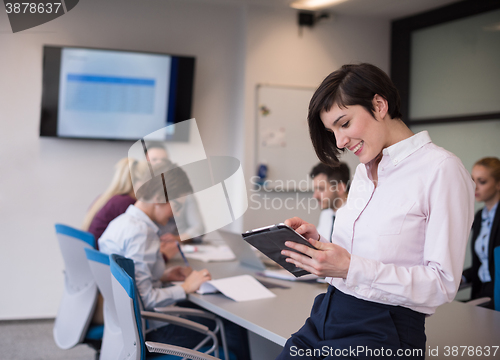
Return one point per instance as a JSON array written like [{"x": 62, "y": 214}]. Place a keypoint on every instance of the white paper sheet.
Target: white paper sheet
[{"x": 238, "y": 288}]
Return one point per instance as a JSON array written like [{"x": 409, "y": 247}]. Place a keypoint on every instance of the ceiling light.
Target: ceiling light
[{"x": 314, "y": 4}]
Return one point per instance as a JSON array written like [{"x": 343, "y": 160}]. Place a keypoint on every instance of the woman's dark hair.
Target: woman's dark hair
[{"x": 350, "y": 85}]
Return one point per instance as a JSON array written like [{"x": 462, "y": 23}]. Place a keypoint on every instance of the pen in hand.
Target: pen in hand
[{"x": 182, "y": 254}]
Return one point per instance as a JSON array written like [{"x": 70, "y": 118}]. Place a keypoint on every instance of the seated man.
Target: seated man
[
  {"x": 188, "y": 223},
  {"x": 134, "y": 235},
  {"x": 330, "y": 189}
]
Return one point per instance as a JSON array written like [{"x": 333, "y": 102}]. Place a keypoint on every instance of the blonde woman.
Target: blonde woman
[
  {"x": 485, "y": 229},
  {"x": 116, "y": 199}
]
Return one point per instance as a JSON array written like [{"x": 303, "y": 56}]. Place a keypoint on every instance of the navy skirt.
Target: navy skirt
[{"x": 342, "y": 326}]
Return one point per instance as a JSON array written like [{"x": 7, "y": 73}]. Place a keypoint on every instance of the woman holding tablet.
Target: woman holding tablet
[{"x": 398, "y": 245}]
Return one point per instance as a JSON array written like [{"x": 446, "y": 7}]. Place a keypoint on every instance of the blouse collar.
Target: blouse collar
[{"x": 401, "y": 150}]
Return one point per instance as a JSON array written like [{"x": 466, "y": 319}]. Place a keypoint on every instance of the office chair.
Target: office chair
[
  {"x": 78, "y": 303},
  {"x": 496, "y": 290},
  {"x": 131, "y": 320},
  {"x": 496, "y": 285},
  {"x": 219, "y": 326},
  {"x": 112, "y": 340}
]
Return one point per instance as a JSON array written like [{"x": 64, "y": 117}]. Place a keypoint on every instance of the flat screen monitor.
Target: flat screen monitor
[{"x": 113, "y": 94}]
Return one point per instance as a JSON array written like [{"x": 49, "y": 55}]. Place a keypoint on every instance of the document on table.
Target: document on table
[
  {"x": 238, "y": 288},
  {"x": 207, "y": 253}
]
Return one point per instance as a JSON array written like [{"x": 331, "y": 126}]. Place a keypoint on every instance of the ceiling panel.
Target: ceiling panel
[{"x": 387, "y": 9}]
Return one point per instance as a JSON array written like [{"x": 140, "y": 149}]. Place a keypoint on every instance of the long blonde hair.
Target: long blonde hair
[{"x": 121, "y": 184}]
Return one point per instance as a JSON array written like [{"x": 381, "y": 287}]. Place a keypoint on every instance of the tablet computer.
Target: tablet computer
[{"x": 270, "y": 240}]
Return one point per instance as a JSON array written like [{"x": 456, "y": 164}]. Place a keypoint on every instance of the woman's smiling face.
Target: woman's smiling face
[{"x": 356, "y": 129}]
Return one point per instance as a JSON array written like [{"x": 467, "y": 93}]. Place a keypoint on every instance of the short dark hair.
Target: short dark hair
[
  {"x": 352, "y": 84},
  {"x": 170, "y": 184},
  {"x": 340, "y": 173}
]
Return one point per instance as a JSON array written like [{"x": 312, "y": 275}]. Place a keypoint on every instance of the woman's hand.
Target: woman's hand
[
  {"x": 195, "y": 279},
  {"x": 176, "y": 273},
  {"x": 303, "y": 228},
  {"x": 329, "y": 260}
]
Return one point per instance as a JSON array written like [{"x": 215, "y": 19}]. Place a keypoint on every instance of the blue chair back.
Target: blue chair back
[
  {"x": 496, "y": 291},
  {"x": 112, "y": 339},
  {"x": 80, "y": 290},
  {"x": 127, "y": 306}
]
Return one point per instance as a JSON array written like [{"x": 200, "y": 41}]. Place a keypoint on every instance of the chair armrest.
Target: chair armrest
[
  {"x": 177, "y": 321},
  {"x": 178, "y": 351},
  {"x": 479, "y": 302},
  {"x": 175, "y": 310}
]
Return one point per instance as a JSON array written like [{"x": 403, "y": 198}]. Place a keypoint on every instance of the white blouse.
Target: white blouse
[{"x": 408, "y": 235}]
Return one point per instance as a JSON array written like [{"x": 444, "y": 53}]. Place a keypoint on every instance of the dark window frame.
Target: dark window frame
[{"x": 401, "y": 32}]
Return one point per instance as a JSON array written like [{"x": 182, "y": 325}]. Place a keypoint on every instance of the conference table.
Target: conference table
[
  {"x": 273, "y": 318},
  {"x": 456, "y": 330}
]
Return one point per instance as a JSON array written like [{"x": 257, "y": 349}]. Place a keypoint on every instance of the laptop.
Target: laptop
[{"x": 242, "y": 250}]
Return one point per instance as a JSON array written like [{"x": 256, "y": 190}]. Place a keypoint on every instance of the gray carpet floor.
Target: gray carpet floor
[{"x": 32, "y": 340}]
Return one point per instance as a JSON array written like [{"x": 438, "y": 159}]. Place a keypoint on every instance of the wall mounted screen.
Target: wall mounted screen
[{"x": 114, "y": 95}]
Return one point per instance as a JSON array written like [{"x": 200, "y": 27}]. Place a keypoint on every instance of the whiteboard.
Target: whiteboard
[{"x": 283, "y": 141}]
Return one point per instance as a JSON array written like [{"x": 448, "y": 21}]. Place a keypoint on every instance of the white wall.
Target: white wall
[
  {"x": 276, "y": 54},
  {"x": 45, "y": 181}
]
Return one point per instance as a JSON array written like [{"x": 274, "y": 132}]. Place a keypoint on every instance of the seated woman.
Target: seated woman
[
  {"x": 134, "y": 235},
  {"x": 116, "y": 199},
  {"x": 485, "y": 229}
]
